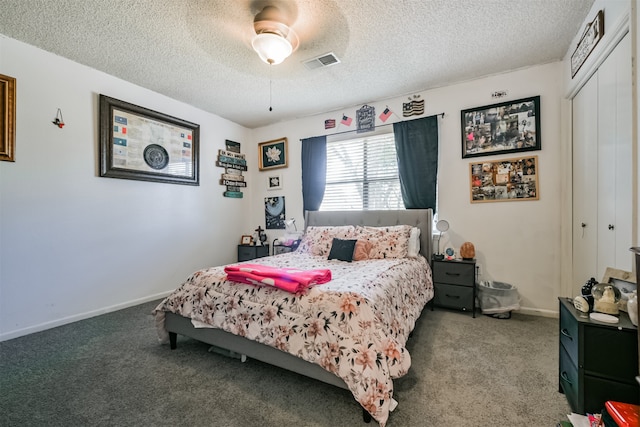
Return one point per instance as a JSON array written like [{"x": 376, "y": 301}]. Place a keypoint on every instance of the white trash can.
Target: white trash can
[{"x": 498, "y": 299}]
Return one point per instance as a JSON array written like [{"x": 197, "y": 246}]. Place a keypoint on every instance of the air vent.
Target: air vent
[{"x": 321, "y": 61}]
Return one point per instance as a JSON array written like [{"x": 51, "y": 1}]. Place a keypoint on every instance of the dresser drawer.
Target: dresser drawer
[
  {"x": 602, "y": 348},
  {"x": 568, "y": 373},
  {"x": 453, "y": 296},
  {"x": 569, "y": 334},
  {"x": 454, "y": 273},
  {"x": 598, "y": 390}
]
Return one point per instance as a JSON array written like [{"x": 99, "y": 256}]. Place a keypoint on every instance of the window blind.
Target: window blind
[{"x": 362, "y": 174}]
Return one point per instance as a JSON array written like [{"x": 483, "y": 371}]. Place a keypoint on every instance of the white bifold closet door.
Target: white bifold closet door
[{"x": 602, "y": 169}]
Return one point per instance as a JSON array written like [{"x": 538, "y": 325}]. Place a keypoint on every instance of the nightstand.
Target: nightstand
[
  {"x": 454, "y": 283},
  {"x": 249, "y": 252}
]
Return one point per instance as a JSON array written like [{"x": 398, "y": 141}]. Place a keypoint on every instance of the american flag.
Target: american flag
[
  {"x": 346, "y": 120},
  {"x": 329, "y": 123},
  {"x": 385, "y": 114}
]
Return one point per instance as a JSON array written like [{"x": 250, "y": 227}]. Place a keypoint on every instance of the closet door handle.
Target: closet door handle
[{"x": 566, "y": 333}]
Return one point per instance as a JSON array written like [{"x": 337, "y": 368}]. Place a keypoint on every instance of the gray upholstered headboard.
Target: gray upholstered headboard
[{"x": 421, "y": 218}]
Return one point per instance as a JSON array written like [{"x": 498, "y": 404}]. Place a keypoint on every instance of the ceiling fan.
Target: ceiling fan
[{"x": 274, "y": 39}]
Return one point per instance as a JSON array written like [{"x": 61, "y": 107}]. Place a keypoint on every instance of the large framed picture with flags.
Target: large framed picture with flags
[{"x": 146, "y": 145}]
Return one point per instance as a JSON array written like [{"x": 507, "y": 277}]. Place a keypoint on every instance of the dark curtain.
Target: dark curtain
[
  {"x": 417, "y": 148},
  {"x": 314, "y": 171}
]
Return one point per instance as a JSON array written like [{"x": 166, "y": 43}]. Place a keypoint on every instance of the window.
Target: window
[{"x": 362, "y": 174}]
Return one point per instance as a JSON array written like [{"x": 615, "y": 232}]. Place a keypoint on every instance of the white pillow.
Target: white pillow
[{"x": 414, "y": 243}]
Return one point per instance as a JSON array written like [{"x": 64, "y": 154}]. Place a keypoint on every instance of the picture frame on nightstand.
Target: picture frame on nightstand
[{"x": 246, "y": 239}]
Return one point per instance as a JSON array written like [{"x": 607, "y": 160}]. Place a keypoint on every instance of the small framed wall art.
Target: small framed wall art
[
  {"x": 507, "y": 127},
  {"x": 274, "y": 181},
  {"x": 7, "y": 118},
  {"x": 504, "y": 180},
  {"x": 272, "y": 154}
]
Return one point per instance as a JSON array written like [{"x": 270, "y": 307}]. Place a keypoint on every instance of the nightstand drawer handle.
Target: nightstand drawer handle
[
  {"x": 448, "y": 273},
  {"x": 452, "y": 296},
  {"x": 565, "y": 377},
  {"x": 566, "y": 334}
]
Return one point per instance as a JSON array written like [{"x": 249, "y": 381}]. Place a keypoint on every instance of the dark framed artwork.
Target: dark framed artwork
[
  {"x": 272, "y": 154},
  {"x": 7, "y": 118},
  {"x": 274, "y": 213},
  {"x": 142, "y": 144},
  {"x": 274, "y": 181},
  {"x": 504, "y": 180},
  {"x": 507, "y": 127}
]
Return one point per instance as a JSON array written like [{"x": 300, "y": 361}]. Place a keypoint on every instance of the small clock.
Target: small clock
[{"x": 449, "y": 252}]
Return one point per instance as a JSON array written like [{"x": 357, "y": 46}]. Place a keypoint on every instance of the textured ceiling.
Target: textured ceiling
[{"x": 198, "y": 51}]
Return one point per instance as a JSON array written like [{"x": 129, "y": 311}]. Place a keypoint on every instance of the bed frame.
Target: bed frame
[{"x": 176, "y": 324}]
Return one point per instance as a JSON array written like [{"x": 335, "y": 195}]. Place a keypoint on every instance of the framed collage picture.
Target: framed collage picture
[
  {"x": 504, "y": 180},
  {"x": 507, "y": 127}
]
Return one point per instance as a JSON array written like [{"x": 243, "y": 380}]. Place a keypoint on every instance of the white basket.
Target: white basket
[{"x": 497, "y": 297}]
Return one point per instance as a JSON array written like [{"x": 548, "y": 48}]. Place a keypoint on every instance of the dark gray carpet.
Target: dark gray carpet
[{"x": 111, "y": 371}]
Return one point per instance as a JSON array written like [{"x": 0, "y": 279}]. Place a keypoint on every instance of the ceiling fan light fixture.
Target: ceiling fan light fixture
[
  {"x": 274, "y": 40},
  {"x": 271, "y": 48}
]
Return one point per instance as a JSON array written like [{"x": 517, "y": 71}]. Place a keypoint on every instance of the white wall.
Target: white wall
[
  {"x": 517, "y": 241},
  {"x": 73, "y": 244}
]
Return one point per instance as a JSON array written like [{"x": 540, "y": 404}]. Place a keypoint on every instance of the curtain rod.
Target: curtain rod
[{"x": 379, "y": 126}]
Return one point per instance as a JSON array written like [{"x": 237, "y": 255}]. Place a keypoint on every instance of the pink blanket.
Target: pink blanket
[{"x": 289, "y": 279}]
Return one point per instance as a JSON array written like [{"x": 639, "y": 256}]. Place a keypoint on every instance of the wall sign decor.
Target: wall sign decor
[
  {"x": 272, "y": 154},
  {"x": 234, "y": 163},
  {"x": 415, "y": 107},
  {"x": 274, "y": 182},
  {"x": 504, "y": 180},
  {"x": 142, "y": 144},
  {"x": 507, "y": 127},
  {"x": 592, "y": 35},
  {"x": 366, "y": 119},
  {"x": 7, "y": 118},
  {"x": 274, "y": 213}
]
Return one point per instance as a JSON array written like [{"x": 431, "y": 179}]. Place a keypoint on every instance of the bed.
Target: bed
[{"x": 349, "y": 332}]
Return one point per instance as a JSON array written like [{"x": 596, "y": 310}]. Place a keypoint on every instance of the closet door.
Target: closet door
[
  {"x": 585, "y": 178},
  {"x": 614, "y": 160},
  {"x": 602, "y": 169}
]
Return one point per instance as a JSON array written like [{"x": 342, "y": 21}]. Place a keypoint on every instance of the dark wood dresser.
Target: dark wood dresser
[{"x": 598, "y": 361}]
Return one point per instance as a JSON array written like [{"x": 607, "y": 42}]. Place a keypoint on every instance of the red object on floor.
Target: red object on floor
[{"x": 624, "y": 414}]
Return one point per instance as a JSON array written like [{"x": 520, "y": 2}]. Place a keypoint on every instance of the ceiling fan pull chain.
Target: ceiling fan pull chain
[{"x": 270, "y": 90}]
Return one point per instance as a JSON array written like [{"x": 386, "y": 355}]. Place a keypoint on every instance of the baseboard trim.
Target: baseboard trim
[
  {"x": 76, "y": 317},
  {"x": 538, "y": 312}
]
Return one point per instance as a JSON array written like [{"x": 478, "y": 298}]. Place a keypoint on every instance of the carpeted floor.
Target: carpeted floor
[{"x": 111, "y": 371}]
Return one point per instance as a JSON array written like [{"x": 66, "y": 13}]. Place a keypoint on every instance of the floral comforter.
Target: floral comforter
[{"x": 354, "y": 326}]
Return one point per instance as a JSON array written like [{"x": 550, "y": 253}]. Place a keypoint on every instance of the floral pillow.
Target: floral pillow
[
  {"x": 318, "y": 240},
  {"x": 387, "y": 242}
]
